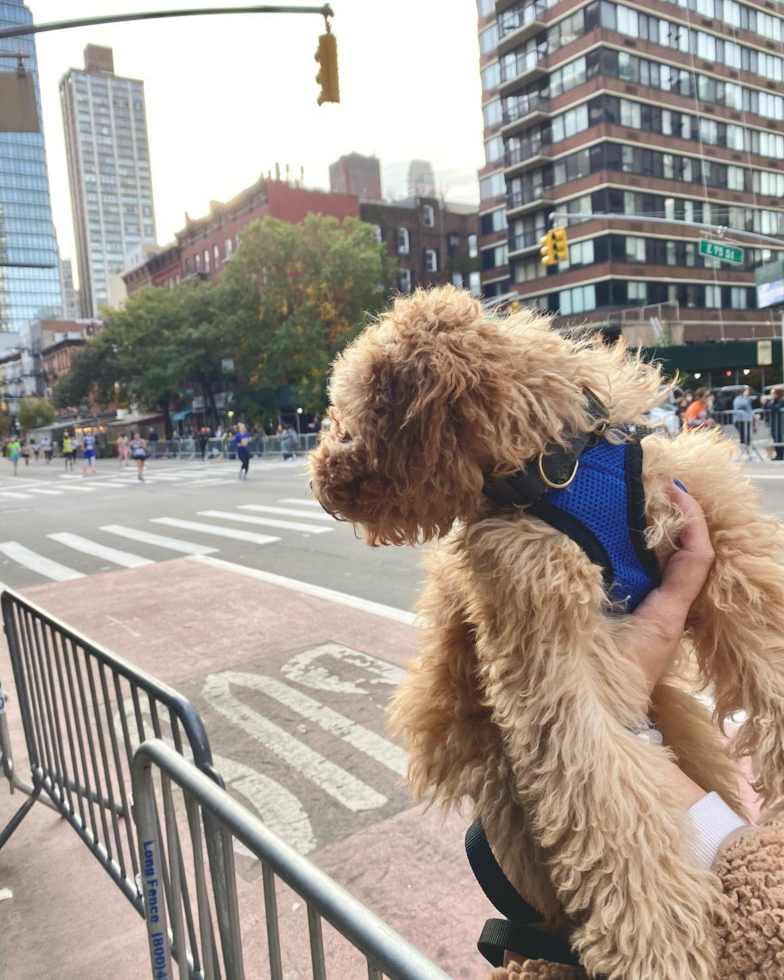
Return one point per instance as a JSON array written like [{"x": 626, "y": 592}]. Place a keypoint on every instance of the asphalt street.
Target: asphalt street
[
  {"x": 273, "y": 522},
  {"x": 56, "y": 525}
]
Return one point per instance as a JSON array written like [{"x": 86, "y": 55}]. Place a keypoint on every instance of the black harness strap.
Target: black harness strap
[{"x": 516, "y": 935}]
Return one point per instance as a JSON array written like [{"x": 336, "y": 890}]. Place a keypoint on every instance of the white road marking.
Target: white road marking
[
  {"x": 265, "y": 521},
  {"x": 221, "y": 532},
  {"x": 159, "y": 540},
  {"x": 52, "y": 493},
  {"x": 297, "y": 500},
  {"x": 88, "y": 547},
  {"x": 339, "y": 784},
  {"x": 112, "y": 483},
  {"x": 210, "y": 482},
  {"x": 278, "y": 807},
  {"x": 18, "y": 496},
  {"x": 359, "y": 737},
  {"x": 766, "y": 476},
  {"x": 38, "y": 563},
  {"x": 173, "y": 544},
  {"x": 319, "y": 591},
  {"x": 302, "y": 670},
  {"x": 287, "y": 511},
  {"x": 72, "y": 486}
]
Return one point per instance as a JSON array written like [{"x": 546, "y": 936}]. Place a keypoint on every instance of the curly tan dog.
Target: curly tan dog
[{"x": 524, "y": 697}]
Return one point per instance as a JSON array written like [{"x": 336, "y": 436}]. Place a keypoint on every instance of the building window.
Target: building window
[
  {"x": 473, "y": 246},
  {"x": 577, "y": 300},
  {"x": 229, "y": 248},
  {"x": 404, "y": 280},
  {"x": 197, "y": 263},
  {"x": 637, "y": 292},
  {"x": 206, "y": 260},
  {"x": 428, "y": 216},
  {"x": 475, "y": 283},
  {"x": 431, "y": 260},
  {"x": 216, "y": 256},
  {"x": 494, "y": 149},
  {"x": 187, "y": 267},
  {"x": 453, "y": 244},
  {"x": 378, "y": 234},
  {"x": 492, "y": 186},
  {"x": 457, "y": 280},
  {"x": 403, "y": 241},
  {"x": 739, "y": 298}
]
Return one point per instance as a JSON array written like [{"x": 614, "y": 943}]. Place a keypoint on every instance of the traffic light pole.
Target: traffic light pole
[
  {"x": 720, "y": 230},
  {"x": 325, "y": 11}
]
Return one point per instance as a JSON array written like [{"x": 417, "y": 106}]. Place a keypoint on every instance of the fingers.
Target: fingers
[{"x": 687, "y": 570}]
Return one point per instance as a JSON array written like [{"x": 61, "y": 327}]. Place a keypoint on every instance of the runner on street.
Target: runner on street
[
  {"x": 88, "y": 444},
  {"x": 241, "y": 442}
]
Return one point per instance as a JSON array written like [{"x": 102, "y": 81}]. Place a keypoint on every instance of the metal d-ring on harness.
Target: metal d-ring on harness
[{"x": 591, "y": 491}]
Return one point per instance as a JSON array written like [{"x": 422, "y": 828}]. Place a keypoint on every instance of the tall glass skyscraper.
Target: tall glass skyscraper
[
  {"x": 29, "y": 263},
  {"x": 109, "y": 170}
]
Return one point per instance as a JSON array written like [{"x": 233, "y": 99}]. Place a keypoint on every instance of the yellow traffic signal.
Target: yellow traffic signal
[
  {"x": 327, "y": 78},
  {"x": 547, "y": 250},
  {"x": 560, "y": 246}
]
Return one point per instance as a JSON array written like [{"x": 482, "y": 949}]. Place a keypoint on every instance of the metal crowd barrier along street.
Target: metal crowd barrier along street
[
  {"x": 213, "y": 813},
  {"x": 83, "y": 711}
]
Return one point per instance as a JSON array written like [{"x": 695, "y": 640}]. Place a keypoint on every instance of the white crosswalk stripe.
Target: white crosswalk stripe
[
  {"x": 298, "y": 500},
  {"x": 11, "y": 493},
  {"x": 159, "y": 540},
  {"x": 78, "y": 543},
  {"x": 71, "y": 486},
  {"x": 287, "y": 512},
  {"x": 265, "y": 522},
  {"x": 38, "y": 563},
  {"x": 221, "y": 532},
  {"x": 53, "y": 493}
]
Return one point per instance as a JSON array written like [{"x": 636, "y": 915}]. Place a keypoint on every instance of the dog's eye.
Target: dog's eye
[{"x": 345, "y": 437}]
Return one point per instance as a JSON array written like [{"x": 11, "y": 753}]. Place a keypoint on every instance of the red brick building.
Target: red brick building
[{"x": 205, "y": 244}]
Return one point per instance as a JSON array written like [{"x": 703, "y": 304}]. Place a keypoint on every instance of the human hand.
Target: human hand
[{"x": 660, "y": 619}]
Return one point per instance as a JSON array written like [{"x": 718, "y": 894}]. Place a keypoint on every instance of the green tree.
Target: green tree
[
  {"x": 295, "y": 295},
  {"x": 35, "y": 413},
  {"x": 135, "y": 355},
  {"x": 93, "y": 373},
  {"x": 201, "y": 343}
]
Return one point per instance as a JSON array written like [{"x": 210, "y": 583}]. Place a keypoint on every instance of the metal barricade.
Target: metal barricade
[
  {"x": 212, "y": 814},
  {"x": 83, "y": 712}
]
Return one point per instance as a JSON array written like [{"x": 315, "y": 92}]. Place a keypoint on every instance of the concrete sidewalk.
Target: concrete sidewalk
[{"x": 222, "y": 640}]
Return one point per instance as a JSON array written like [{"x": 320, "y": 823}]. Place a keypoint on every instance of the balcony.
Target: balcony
[
  {"x": 530, "y": 154},
  {"x": 528, "y": 66},
  {"x": 528, "y": 199},
  {"x": 518, "y": 244},
  {"x": 524, "y": 111},
  {"x": 518, "y": 22}
]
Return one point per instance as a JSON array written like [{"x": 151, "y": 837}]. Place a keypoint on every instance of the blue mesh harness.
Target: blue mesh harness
[
  {"x": 607, "y": 497},
  {"x": 593, "y": 493}
]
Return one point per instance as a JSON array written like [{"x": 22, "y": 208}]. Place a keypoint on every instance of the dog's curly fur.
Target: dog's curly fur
[{"x": 524, "y": 690}]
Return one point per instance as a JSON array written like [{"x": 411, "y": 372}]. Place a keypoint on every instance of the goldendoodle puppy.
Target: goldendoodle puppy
[{"x": 525, "y": 697}]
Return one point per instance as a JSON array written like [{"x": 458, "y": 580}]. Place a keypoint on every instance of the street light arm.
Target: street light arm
[{"x": 325, "y": 11}]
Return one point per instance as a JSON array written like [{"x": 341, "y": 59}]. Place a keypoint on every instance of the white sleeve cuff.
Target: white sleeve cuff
[{"x": 713, "y": 821}]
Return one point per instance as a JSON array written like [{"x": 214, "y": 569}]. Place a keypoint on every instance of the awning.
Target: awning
[{"x": 179, "y": 416}]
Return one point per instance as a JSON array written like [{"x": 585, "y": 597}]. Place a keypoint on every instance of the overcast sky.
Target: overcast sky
[{"x": 228, "y": 97}]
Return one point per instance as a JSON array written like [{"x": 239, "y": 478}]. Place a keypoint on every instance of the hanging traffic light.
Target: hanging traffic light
[
  {"x": 327, "y": 78},
  {"x": 560, "y": 246},
  {"x": 547, "y": 251}
]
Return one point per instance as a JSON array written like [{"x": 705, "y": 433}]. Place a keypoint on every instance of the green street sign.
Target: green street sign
[{"x": 727, "y": 253}]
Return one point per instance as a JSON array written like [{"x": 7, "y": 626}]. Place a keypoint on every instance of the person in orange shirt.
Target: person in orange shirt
[{"x": 697, "y": 413}]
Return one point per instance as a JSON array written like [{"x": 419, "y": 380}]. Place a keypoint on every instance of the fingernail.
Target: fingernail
[{"x": 679, "y": 484}]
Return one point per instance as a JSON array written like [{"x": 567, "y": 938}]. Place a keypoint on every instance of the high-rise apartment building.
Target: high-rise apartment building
[
  {"x": 109, "y": 170},
  {"x": 421, "y": 179},
  {"x": 29, "y": 263},
  {"x": 674, "y": 111},
  {"x": 70, "y": 293},
  {"x": 358, "y": 175}
]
